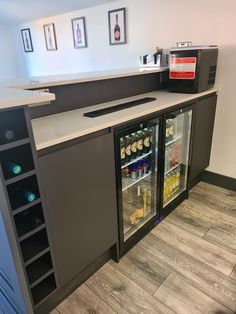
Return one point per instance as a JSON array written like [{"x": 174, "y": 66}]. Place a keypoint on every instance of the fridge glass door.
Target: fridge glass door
[
  {"x": 177, "y": 141},
  {"x": 138, "y": 154}
]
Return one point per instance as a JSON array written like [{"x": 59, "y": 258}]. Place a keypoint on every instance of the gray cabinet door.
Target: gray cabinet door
[
  {"x": 202, "y": 136},
  {"x": 80, "y": 196}
]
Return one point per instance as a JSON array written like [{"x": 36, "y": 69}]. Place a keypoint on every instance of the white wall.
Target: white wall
[
  {"x": 8, "y": 63},
  {"x": 151, "y": 23}
]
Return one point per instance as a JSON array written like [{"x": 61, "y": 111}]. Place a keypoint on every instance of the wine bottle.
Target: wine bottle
[
  {"x": 139, "y": 143},
  {"x": 146, "y": 141},
  {"x": 139, "y": 203},
  {"x": 28, "y": 196},
  {"x": 117, "y": 30},
  {"x": 14, "y": 168},
  {"x": 133, "y": 146},
  {"x": 9, "y": 135},
  {"x": 127, "y": 148},
  {"x": 25, "y": 194}
]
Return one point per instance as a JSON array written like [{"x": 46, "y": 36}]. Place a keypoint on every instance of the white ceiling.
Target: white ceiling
[{"x": 20, "y": 11}]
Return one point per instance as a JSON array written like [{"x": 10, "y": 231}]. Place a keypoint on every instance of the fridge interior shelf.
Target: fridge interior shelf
[
  {"x": 128, "y": 182},
  {"x": 136, "y": 159},
  {"x": 171, "y": 169},
  {"x": 174, "y": 140}
]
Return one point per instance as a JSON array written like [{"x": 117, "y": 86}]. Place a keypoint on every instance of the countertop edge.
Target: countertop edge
[{"x": 59, "y": 82}]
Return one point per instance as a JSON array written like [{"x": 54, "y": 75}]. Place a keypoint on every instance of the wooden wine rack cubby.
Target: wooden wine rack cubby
[{"x": 28, "y": 218}]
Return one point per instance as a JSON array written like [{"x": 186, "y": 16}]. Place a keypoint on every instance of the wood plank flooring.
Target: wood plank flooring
[{"x": 187, "y": 264}]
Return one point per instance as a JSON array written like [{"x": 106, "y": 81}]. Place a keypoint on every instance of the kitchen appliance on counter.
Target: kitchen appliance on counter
[{"x": 192, "y": 69}]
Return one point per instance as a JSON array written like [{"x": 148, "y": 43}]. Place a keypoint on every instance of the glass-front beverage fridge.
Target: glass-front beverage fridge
[
  {"x": 137, "y": 179},
  {"x": 176, "y": 156}
]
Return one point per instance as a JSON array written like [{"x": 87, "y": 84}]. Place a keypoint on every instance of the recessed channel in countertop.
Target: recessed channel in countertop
[{"x": 62, "y": 127}]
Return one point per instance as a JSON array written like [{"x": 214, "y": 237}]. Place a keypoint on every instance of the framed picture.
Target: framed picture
[
  {"x": 117, "y": 26},
  {"x": 79, "y": 32},
  {"x": 50, "y": 36},
  {"x": 26, "y": 38}
]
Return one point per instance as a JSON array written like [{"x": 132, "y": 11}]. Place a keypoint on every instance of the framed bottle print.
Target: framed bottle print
[
  {"x": 50, "y": 36},
  {"x": 79, "y": 32},
  {"x": 117, "y": 26},
  {"x": 27, "y": 41}
]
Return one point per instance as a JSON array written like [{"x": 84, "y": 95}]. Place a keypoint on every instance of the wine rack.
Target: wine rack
[{"x": 27, "y": 213}]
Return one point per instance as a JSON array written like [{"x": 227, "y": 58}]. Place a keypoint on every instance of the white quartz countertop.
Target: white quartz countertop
[
  {"x": 11, "y": 97},
  {"x": 73, "y": 78},
  {"x": 58, "y": 128}
]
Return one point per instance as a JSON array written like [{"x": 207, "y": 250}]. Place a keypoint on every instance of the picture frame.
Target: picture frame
[
  {"x": 27, "y": 40},
  {"x": 79, "y": 32},
  {"x": 117, "y": 26},
  {"x": 50, "y": 36}
]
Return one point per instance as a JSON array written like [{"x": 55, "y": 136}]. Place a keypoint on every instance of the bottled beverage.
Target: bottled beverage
[
  {"x": 167, "y": 131},
  {"x": 122, "y": 151},
  {"x": 164, "y": 191},
  {"x": 171, "y": 130},
  {"x": 145, "y": 166},
  {"x": 9, "y": 135},
  {"x": 126, "y": 172},
  {"x": 133, "y": 146},
  {"x": 139, "y": 204},
  {"x": 168, "y": 187},
  {"x": 167, "y": 159},
  {"x": 139, "y": 143},
  {"x": 177, "y": 179},
  {"x": 145, "y": 202},
  {"x": 140, "y": 168},
  {"x": 14, "y": 168},
  {"x": 146, "y": 141},
  {"x": 29, "y": 196},
  {"x": 134, "y": 171},
  {"x": 127, "y": 149},
  {"x": 26, "y": 194},
  {"x": 117, "y": 30}
]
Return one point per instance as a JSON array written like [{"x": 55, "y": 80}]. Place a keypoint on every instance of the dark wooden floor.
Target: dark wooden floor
[{"x": 187, "y": 264}]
